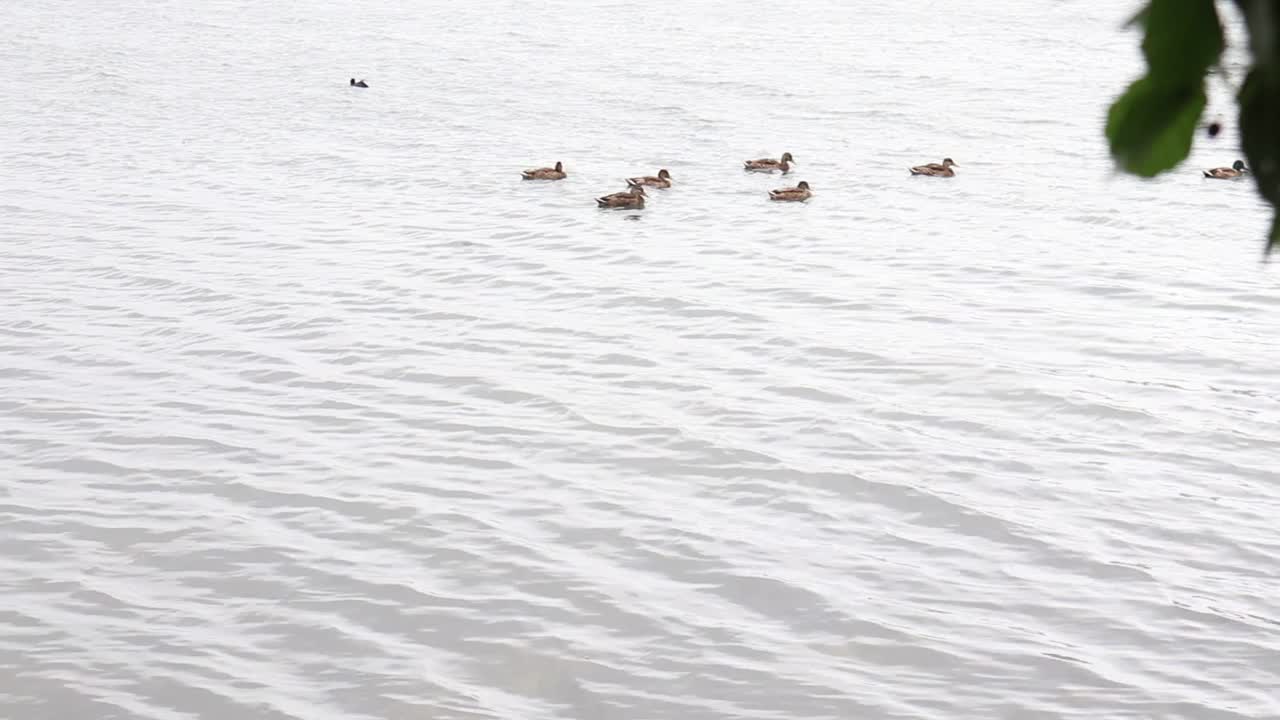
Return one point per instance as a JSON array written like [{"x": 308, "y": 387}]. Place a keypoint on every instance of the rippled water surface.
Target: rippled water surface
[{"x": 310, "y": 408}]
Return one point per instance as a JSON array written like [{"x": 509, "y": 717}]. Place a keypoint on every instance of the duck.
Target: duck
[
  {"x": 799, "y": 193},
  {"x": 661, "y": 180},
  {"x": 631, "y": 198},
  {"x": 769, "y": 164},
  {"x": 936, "y": 169},
  {"x": 1236, "y": 170},
  {"x": 546, "y": 173},
  {"x": 362, "y": 83}
]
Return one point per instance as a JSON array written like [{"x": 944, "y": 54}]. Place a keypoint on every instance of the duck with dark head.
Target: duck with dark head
[
  {"x": 799, "y": 193},
  {"x": 1237, "y": 170},
  {"x": 545, "y": 173},
  {"x": 362, "y": 83},
  {"x": 661, "y": 180},
  {"x": 769, "y": 165},
  {"x": 942, "y": 169},
  {"x": 632, "y": 198}
]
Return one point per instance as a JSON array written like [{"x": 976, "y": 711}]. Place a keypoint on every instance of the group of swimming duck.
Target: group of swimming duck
[{"x": 634, "y": 195}]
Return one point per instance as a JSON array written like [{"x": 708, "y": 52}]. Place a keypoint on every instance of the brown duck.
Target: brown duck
[
  {"x": 555, "y": 173},
  {"x": 1236, "y": 170},
  {"x": 799, "y": 193},
  {"x": 936, "y": 169},
  {"x": 661, "y": 180},
  {"x": 770, "y": 165},
  {"x": 632, "y": 198}
]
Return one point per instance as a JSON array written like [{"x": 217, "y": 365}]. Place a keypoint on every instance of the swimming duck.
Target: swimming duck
[
  {"x": 632, "y": 198},
  {"x": 661, "y": 180},
  {"x": 555, "y": 173},
  {"x": 799, "y": 193},
  {"x": 935, "y": 169},
  {"x": 1236, "y": 170},
  {"x": 769, "y": 164},
  {"x": 362, "y": 83}
]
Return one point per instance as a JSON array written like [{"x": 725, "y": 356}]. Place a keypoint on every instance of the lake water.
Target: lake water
[{"x": 311, "y": 409}]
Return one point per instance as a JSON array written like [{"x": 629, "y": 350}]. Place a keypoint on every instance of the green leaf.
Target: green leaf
[
  {"x": 1183, "y": 39},
  {"x": 1260, "y": 134},
  {"x": 1264, "y": 29},
  {"x": 1260, "y": 129},
  {"x": 1140, "y": 18},
  {"x": 1151, "y": 126}
]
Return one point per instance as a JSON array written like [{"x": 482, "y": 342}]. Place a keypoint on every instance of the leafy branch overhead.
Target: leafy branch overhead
[{"x": 1151, "y": 126}]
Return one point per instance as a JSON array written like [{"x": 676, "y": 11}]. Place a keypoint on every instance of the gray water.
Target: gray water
[{"x": 310, "y": 409}]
